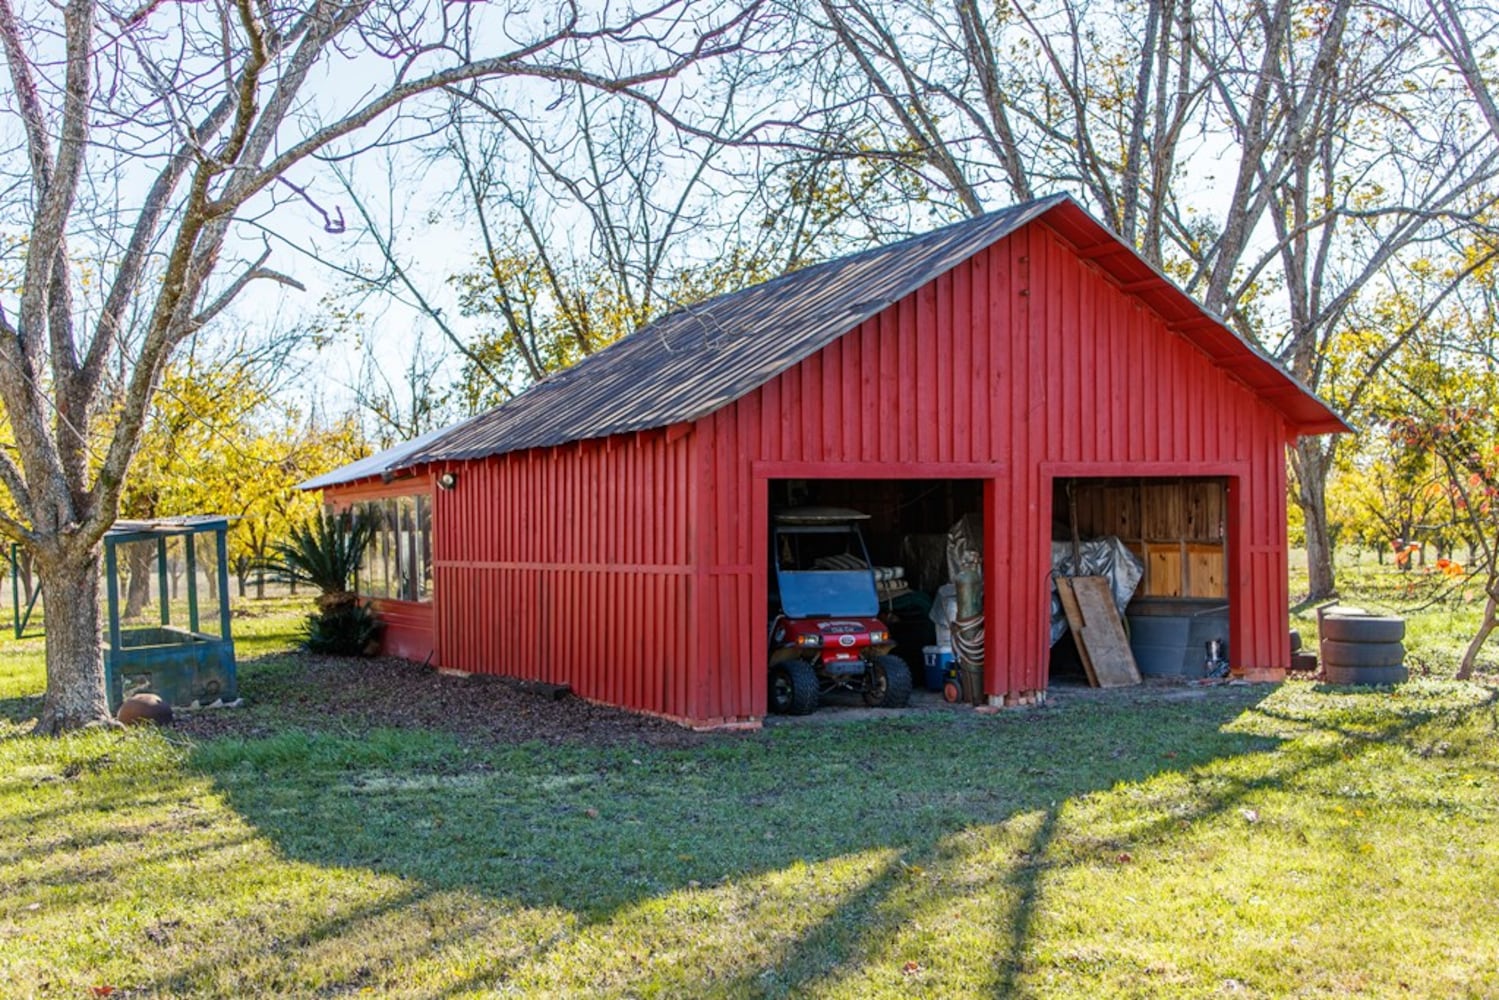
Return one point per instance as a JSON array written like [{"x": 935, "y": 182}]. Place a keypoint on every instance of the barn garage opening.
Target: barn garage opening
[
  {"x": 906, "y": 532},
  {"x": 1176, "y": 529}
]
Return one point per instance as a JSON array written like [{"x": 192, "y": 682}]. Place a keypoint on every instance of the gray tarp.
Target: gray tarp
[
  {"x": 1105, "y": 556},
  {"x": 1099, "y": 557}
]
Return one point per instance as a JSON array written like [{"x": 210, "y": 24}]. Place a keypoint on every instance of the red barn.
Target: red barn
[{"x": 609, "y": 528}]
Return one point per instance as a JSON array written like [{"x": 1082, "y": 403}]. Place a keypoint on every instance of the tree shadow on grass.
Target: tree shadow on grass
[
  {"x": 823, "y": 845},
  {"x": 21, "y": 711},
  {"x": 608, "y": 834}
]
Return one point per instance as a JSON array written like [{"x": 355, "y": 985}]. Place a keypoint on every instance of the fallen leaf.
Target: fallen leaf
[
  {"x": 101, "y": 991},
  {"x": 911, "y": 968},
  {"x": 1124, "y": 858},
  {"x": 591, "y": 813}
]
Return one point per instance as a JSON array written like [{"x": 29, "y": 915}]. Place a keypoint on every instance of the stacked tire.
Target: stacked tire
[{"x": 1360, "y": 648}]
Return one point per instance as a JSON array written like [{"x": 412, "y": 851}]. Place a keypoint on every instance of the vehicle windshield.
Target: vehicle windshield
[{"x": 824, "y": 571}]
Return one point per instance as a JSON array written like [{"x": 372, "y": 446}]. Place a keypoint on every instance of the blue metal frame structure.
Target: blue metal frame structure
[{"x": 182, "y": 665}]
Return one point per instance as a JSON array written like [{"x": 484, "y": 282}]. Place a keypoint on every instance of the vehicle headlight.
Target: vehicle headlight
[
  {"x": 877, "y": 635},
  {"x": 809, "y": 640}
]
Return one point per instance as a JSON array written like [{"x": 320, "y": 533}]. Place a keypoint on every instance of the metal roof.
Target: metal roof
[
  {"x": 182, "y": 525},
  {"x": 398, "y": 457},
  {"x": 700, "y": 358}
]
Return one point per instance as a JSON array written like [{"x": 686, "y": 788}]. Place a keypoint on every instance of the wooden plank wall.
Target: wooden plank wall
[
  {"x": 572, "y": 565},
  {"x": 1175, "y": 526},
  {"x": 1023, "y": 364}
]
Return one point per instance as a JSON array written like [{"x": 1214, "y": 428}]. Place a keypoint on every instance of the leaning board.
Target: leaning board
[{"x": 1095, "y": 624}]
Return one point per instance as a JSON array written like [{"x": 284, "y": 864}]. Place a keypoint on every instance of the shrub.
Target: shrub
[{"x": 325, "y": 552}]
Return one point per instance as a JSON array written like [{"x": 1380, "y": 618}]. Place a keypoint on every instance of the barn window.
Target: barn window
[{"x": 398, "y": 563}]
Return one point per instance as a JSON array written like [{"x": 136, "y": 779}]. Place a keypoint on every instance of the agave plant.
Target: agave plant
[{"x": 325, "y": 553}]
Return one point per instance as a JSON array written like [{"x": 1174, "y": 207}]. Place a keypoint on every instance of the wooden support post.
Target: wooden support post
[
  {"x": 189, "y": 542},
  {"x": 221, "y": 541},
  {"x": 163, "y": 597}
]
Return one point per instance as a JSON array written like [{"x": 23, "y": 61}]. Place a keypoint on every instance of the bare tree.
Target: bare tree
[
  {"x": 1467, "y": 33},
  {"x": 586, "y": 226},
  {"x": 1448, "y": 411},
  {"x": 1343, "y": 153},
  {"x": 148, "y": 133}
]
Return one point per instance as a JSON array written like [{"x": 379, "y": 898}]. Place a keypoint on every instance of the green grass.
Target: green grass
[{"x": 1245, "y": 841}]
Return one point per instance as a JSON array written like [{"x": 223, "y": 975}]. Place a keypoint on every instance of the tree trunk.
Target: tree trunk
[
  {"x": 1312, "y": 464},
  {"x": 1490, "y": 618},
  {"x": 75, "y": 668},
  {"x": 138, "y": 590}
]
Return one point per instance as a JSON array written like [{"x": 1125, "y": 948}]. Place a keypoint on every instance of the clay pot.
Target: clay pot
[{"x": 143, "y": 708}]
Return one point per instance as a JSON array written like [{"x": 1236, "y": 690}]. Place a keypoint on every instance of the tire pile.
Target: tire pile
[{"x": 1360, "y": 648}]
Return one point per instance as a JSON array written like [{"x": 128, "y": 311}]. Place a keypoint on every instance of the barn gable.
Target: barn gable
[{"x": 1023, "y": 366}]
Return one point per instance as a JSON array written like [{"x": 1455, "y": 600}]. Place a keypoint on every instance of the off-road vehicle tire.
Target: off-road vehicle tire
[
  {"x": 1362, "y": 628},
  {"x": 888, "y": 684},
  {"x": 1367, "y": 676},
  {"x": 793, "y": 688},
  {"x": 1362, "y": 654}
]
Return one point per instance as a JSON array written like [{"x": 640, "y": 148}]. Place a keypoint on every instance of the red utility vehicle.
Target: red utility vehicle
[{"x": 826, "y": 633}]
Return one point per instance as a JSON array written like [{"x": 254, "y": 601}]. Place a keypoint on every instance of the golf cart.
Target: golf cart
[{"x": 825, "y": 633}]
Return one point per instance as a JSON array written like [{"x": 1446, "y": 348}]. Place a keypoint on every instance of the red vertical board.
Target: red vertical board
[{"x": 634, "y": 569}]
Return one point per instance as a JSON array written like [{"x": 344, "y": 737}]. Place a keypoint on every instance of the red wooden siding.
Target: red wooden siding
[
  {"x": 1021, "y": 365},
  {"x": 634, "y": 568},
  {"x": 408, "y": 629},
  {"x": 572, "y": 565}
]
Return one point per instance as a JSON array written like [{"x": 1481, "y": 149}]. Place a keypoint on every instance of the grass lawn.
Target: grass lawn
[{"x": 1171, "y": 842}]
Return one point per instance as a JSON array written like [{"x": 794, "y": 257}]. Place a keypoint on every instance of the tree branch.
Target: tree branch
[{"x": 255, "y": 272}]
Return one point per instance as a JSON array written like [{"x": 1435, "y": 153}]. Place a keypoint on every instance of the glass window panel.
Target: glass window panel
[
  {"x": 398, "y": 562},
  {"x": 424, "y": 546},
  {"x": 405, "y": 545}
]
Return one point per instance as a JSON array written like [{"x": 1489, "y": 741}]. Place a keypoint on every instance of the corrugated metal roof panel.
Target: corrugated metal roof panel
[
  {"x": 702, "y": 357},
  {"x": 398, "y": 457}
]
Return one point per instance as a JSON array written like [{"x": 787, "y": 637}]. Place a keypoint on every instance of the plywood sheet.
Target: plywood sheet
[
  {"x": 1205, "y": 571},
  {"x": 1163, "y": 569},
  {"x": 1100, "y": 635},
  {"x": 1075, "y": 621}
]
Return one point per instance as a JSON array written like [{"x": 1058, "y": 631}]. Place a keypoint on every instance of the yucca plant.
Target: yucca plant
[{"x": 325, "y": 552}]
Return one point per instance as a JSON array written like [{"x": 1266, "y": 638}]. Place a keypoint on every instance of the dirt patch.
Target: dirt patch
[{"x": 360, "y": 695}]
